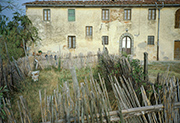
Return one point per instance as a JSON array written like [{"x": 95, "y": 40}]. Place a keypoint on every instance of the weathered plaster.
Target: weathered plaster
[{"x": 55, "y": 32}]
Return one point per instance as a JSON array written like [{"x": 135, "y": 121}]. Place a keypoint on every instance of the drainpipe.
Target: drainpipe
[{"x": 159, "y": 9}]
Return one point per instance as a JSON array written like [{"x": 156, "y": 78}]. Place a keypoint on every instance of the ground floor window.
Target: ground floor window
[
  {"x": 150, "y": 40},
  {"x": 71, "y": 42},
  {"x": 105, "y": 40}
]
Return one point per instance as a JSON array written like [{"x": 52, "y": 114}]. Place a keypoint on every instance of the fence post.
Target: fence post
[
  {"x": 99, "y": 55},
  {"x": 146, "y": 66}
]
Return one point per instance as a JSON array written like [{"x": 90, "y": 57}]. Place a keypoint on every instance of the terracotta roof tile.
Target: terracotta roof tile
[{"x": 102, "y": 2}]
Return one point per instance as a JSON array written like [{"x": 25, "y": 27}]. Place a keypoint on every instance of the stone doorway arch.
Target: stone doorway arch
[{"x": 126, "y": 43}]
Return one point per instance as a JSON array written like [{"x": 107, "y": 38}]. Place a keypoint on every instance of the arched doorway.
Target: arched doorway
[{"x": 126, "y": 43}]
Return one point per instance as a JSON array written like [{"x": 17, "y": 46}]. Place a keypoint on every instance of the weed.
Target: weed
[{"x": 2, "y": 112}]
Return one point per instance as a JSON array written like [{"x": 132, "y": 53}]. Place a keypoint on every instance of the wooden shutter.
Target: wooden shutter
[
  {"x": 71, "y": 14},
  {"x": 177, "y": 19},
  {"x": 74, "y": 41}
]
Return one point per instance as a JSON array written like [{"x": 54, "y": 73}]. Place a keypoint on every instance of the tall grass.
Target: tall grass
[{"x": 49, "y": 79}]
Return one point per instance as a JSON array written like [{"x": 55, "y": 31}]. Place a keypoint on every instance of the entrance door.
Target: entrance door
[
  {"x": 126, "y": 45},
  {"x": 177, "y": 50}
]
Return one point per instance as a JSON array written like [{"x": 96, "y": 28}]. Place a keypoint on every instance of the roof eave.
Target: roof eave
[{"x": 109, "y": 5}]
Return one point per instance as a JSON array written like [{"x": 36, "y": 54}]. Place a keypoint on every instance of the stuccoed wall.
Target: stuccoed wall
[{"x": 55, "y": 32}]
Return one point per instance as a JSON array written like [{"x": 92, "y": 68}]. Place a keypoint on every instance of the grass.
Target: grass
[
  {"x": 49, "y": 79},
  {"x": 161, "y": 67}
]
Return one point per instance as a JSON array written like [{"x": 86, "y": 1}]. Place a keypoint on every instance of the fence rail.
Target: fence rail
[{"x": 90, "y": 101}]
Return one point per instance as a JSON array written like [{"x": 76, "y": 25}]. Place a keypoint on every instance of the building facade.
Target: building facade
[{"x": 124, "y": 27}]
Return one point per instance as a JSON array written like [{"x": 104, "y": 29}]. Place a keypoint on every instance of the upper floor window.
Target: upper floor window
[
  {"x": 127, "y": 14},
  {"x": 105, "y": 14},
  {"x": 71, "y": 42},
  {"x": 46, "y": 15},
  {"x": 105, "y": 40},
  {"x": 152, "y": 14},
  {"x": 177, "y": 19},
  {"x": 89, "y": 30},
  {"x": 71, "y": 14},
  {"x": 150, "y": 40}
]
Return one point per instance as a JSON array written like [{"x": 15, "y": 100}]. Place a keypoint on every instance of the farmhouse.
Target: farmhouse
[{"x": 123, "y": 26}]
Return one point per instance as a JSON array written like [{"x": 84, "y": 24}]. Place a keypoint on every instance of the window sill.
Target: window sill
[
  {"x": 71, "y": 21},
  {"x": 105, "y": 21},
  {"x": 89, "y": 38},
  {"x": 72, "y": 50},
  {"x": 127, "y": 21},
  {"x": 46, "y": 21}
]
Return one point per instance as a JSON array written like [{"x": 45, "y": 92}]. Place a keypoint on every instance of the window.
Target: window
[
  {"x": 127, "y": 14},
  {"x": 71, "y": 42},
  {"x": 177, "y": 19},
  {"x": 152, "y": 14},
  {"x": 71, "y": 14},
  {"x": 88, "y": 30},
  {"x": 150, "y": 40},
  {"x": 46, "y": 15},
  {"x": 105, "y": 40},
  {"x": 105, "y": 14}
]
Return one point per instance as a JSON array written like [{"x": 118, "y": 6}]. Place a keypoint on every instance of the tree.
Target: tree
[
  {"x": 14, "y": 32},
  {"x": 9, "y": 4}
]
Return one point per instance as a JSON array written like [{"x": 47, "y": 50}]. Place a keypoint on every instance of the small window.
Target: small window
[
  {"x": 127, "y": 14},
  {"x": 105, "y": 14},
  {"x": 150, "y": 40},
  {"x": 177, "y": 19},
  {"x": 46, "y": 15},
  {"x": 71, "y": 42},
  {"x": 105, "y": 40},
  {"x": 88, "y": 30},
  {"x": 152, "y": 14},
  {"x": 71, "y": 14}
]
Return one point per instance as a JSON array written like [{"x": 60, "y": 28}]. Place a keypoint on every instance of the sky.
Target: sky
[{"x": 18, "y": 3}]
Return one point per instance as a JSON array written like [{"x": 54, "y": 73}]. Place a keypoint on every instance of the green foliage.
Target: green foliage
[
  {"x": 39, "y": 51},
  {"x": 137, "y": 70},
  {"x": 14, "y": 32},
  {"x": 137, "y": 74},
  {"x": 2, "y": 112},
  {"x": 124, "y": 54}
]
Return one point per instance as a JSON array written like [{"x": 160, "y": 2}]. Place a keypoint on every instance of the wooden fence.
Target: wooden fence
[
  {"x": 90, "y": 101},
  {"x": 68, "y": 60}
]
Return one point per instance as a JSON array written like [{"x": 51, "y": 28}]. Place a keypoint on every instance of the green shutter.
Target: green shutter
[{"x": 71, "y": 14}]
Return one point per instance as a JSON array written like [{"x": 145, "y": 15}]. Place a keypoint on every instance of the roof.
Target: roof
[{"x": 105, "y": 3}]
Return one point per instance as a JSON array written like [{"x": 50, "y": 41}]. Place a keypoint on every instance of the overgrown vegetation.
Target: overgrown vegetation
[
  {"x": 161, "y": 67},
  {"x": 2, "y": 112},
  {"x": 14, "y": 32},
  {"x": 14, "y": 37},
  {"x": 49, "y": 79}
]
